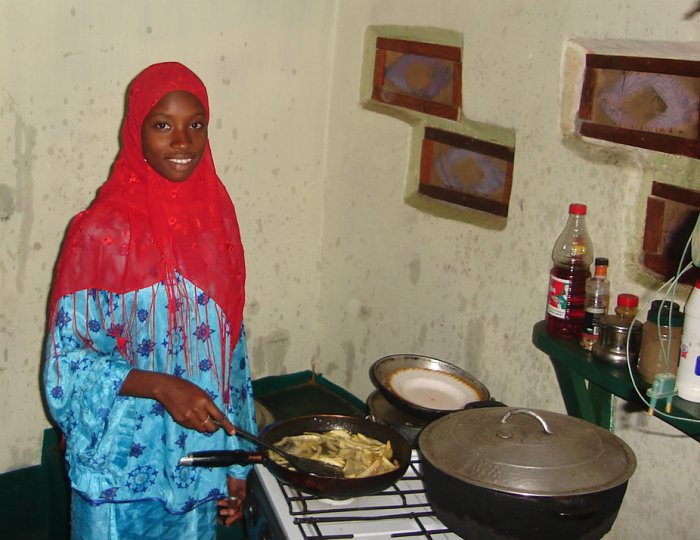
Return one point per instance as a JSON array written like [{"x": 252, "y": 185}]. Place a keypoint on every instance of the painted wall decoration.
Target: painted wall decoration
[
  {"x": 459, "y": 168},
  {"x": 466, "y": 171},
  {"x": 671, "y": 214},
  {"x": 651, "y": 103},
  {"x": 424, "y": 77}
]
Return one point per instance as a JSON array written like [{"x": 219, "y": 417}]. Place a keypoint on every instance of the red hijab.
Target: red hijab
[{"x": 141, "y": 227}]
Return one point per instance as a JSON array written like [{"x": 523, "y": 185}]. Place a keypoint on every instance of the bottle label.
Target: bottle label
[
  {"x": 558, "y": 299},
  {"x": 591, "y": 320}
]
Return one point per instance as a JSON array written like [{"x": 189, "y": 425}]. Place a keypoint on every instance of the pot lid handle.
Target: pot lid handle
[{"x": 542, "y": 421}]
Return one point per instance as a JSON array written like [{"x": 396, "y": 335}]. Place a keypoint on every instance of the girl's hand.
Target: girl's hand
[
  {"x": 187, "y": 403},
  {"x": 231, "y": 509}
]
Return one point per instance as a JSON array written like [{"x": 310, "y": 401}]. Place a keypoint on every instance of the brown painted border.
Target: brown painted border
[
  {"x": 656, "y": 256},
  {"x": 669, "y": 144},
  {"x": 443, "y": 52},
  {"x": 433, "y": 135}
]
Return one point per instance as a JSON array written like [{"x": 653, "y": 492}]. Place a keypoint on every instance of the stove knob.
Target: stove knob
[{"x": 255, "y": 523}]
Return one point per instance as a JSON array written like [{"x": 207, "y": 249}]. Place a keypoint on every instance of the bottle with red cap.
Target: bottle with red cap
[
  {"x": 596, "y": 305},
  {"x": 572, "y": 256}
]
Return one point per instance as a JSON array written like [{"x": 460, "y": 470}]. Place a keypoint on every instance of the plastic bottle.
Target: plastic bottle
[
  {"x": 627, "y": 305},
  {"x": 661, "y": 340},
  {"x": 596, "y": 303},
  {"x": 688, "y": 375},
  {"x": 572, "y": 256}
]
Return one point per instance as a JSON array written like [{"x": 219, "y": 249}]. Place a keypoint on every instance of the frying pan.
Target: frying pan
[
  {"x": 337, "y": 488},
  {"x": 324, "y": 486},
  {"x": 312, "y": 466}
]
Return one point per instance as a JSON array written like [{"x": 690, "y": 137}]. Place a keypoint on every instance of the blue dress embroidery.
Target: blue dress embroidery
[{"x": 122, "y": 448}]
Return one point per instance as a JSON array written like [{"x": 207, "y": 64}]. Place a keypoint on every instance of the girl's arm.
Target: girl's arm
[{"x": 187, "y": 403}]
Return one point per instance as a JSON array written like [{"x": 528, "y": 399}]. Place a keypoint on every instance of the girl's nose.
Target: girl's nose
[{"x": 181, "y": 138}]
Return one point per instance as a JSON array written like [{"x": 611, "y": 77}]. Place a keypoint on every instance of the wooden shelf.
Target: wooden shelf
[{"x": 588, "y": 385}]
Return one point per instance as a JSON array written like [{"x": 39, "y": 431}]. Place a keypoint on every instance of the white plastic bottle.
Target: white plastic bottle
[{"x": 688, "y": 375}]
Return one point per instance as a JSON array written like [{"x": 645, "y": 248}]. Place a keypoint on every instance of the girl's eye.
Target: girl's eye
[
  {"x": 162, "y": 126},
  {"x": 197, "y": 125}
]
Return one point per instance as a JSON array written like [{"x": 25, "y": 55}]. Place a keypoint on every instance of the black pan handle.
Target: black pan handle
[
  {"x": 484, "y": 404},
  {"x": 221, "y": 458},
  {"x": 259, "y": 442}
]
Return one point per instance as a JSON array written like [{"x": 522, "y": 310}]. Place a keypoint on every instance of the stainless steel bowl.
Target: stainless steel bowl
[
  {"x": 408, "y": 425},
  {"x": 425, "y": 387}
]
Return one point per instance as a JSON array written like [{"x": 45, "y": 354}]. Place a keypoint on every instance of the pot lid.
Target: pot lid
[{"x": 527, "y": 452}]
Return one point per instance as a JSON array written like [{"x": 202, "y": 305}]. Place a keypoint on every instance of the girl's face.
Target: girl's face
[{"x": 174, "y": 135}]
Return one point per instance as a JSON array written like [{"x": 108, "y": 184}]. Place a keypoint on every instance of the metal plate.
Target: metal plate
[{"x": 425, "y": 387}]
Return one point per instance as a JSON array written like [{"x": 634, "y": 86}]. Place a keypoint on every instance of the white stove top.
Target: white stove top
[{"x": 401, "y": 511}]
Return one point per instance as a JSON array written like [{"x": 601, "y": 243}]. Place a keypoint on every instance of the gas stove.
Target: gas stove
[{"x": 277, "y": 511}]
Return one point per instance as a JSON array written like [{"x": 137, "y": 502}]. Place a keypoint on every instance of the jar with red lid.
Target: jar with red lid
[{"x": 627, "y": 305}]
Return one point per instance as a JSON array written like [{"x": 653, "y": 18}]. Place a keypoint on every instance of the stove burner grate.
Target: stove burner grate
[{"x": 401, "y": 511}]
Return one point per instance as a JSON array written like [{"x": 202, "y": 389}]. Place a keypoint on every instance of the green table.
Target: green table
[{"x": 588, "y": 385}]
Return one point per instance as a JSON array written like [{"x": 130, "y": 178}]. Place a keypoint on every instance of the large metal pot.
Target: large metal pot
[{"x": 505, "y": 473}]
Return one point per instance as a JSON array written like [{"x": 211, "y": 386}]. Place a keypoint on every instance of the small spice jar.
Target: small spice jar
[
  {"x": 661, "y": 336},
  {"x": 627, "y": 305}
]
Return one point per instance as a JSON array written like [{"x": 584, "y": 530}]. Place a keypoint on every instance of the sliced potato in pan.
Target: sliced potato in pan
[{"x": 358, "y": 455}]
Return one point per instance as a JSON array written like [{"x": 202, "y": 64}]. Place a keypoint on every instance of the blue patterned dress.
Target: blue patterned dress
[{"x": 126, "y": 449}]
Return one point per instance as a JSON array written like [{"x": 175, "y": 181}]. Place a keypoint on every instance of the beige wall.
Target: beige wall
[{"x": 341, "y": 270}]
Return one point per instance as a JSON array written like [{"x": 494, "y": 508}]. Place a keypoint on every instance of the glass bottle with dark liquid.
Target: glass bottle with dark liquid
[
  {"x": 572, "y": 256},
  {"x": 596, "y": 303}
]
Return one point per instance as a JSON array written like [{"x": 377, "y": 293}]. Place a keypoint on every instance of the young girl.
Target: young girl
[{"x": 146, "y": 356}]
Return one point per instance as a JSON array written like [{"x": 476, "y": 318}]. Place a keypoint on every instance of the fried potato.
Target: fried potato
[{"x": 357, "y": 455}]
